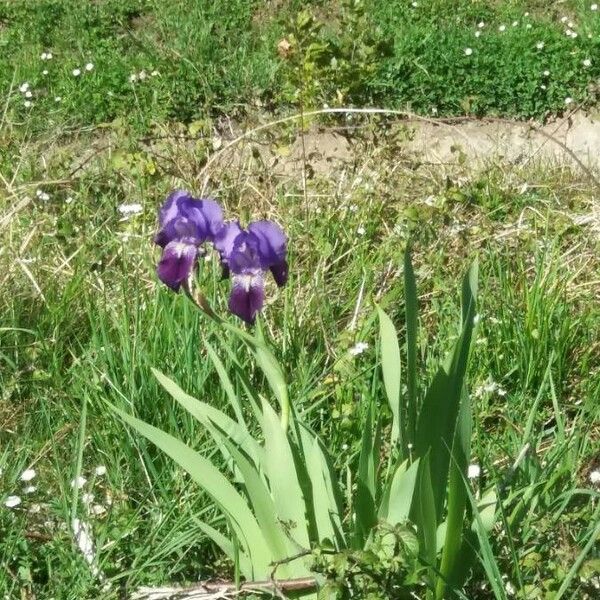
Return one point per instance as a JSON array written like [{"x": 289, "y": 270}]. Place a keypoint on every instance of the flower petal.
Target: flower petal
[
  {"x": 247, "y": 296},
  {"x": 170, "y": 209},
  {"x": 206, "y": 214},
  {"x": 244, "y": 259},
  {"x": 272, "y": 242},
  {"x": 176, "y": 264},
  {"x": 280, "y": 273},
  {"x": 225, "y": 239}
]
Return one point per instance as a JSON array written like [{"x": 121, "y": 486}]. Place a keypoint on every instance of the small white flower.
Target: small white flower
[
  {"x": 587, "y": 63},
  {"x": 526, "y": 14},
  {"x": 361, "y": 230},
  {"x": 468, "y": 51},
  {"x": 570, "y": 25},
  {"x": 76, "y": 72},
  {"x": 155, "y": 73},
  {"x": 477, "y": 33},
  {"x": 27, "y": 104},
  {"x": 474, "y": 471},
  {"x": 515, "y": 23},
  {"x": 415, "y": 4},
  {"x": 510, "y": 589},
  {"x": 78, "y": 482},
  {"x": 344, "y": 446},
  {"x": 477, "y": 319},
  {"x": 12, "y": 501},
  {"x": 130, "y": 209},
  {"x": 98, "y": 509},
  {"x": 28, "y": 475},
  {"x": 594, "y": 7},
  {"x": 44, "y": 196},
  {"x": 87, "y": 498},
  {"x": 502, "y": 28},
  {"x": 84, "y": 540},
  {"x": 30, "y": 489},
  {"x": 35, "y": 508},
  {"x": 89, "y": 66},
  {"x": 528, "y": 26},
  {"x": 24, "y": 87},
  {"x": 568, "y": 100},
  {"x": 68, "y": 199},
  {"x": 100, "y": 470},
  {"x": 1, "y": 471},
  {"x": 595, "y": 477},
  {"x": 43, "y": 56},
  {"x": 45, "y": 72},
  {"x": 57, "y": 99},
  {"x": 28, "y": 94},
  {"x": 142, "y": 75},
  {"x": 358, "y": 348},
  {"x": 564, "y": 19},
  {"x": 540, "y": 45},
  {"x": 133, "y": 78},
  {"x": 544, "y": 87},
  {"x": 546, "y": 73},
  {"x": 481, "y": 24}
]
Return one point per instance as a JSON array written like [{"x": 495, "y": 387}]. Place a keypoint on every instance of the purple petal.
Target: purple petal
[
  {"x": 247, "y": 296},
  {"x": 272, "y": 242},
  {"x": 225, "y": 239},
  {"x": 178, "y": 229},
  {"x": 207, "y": 215},
  {"x": 176, "y": 264},
  {"x": 280, "y": 273},
  {"x": 170, "y": 209},
  {"x": 244, "y": 259}
]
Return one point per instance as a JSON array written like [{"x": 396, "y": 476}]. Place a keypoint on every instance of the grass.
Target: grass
[
  {"x": 82, "y": 319},
  {"x": 186, "y": 60}
]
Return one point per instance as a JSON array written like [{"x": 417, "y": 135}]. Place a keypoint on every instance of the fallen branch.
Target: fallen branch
[{"x": 224, "y": 590}]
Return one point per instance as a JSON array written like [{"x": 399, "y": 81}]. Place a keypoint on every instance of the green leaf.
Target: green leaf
[
  {"x": 424, "y": 516},
  {"x": 391, "y": 367},
  {"x": 226, "y": 383},
  {"x": 401, "y": 493},
  {"x": 439, "y": 414},
  {"x": 365, "y": 512},
  {"x": 280, "y": 468},
  {"x": 327, "y": 506},
  {"x": 207, "y": 414},
  {"x": 227, "y": 547},
  {"x": 411, "y": 309},
  {"x": 452, "y": 552},
  {"x": 217, "y": 487}
]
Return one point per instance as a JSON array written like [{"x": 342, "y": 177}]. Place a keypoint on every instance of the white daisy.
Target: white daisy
[
  {"x": 28, "y": 475},
  {"x": 12, "y": 501},
  {"x": 76, "y": 72},
  {"x": 468, "y": 51},
  {"x": 502, "y": 28},
  {"x": 474, "y": 471},
  {"x": 595, "y": 477},
  {"x": 89, "y": 66},
  {"x": 78, "y": 482},
  {"x": 24, "y": 87},
  {"x": 540, "y": 45},
  {"x": 100, "y": 470},
  {"x": 587, "y": 62},
  {"x": 358, "y": 348}
]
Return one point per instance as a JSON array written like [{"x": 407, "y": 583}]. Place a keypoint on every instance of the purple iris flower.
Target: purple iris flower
[
  {"x": 185, "y": 223},
  {"x": 247, "y": 255}
]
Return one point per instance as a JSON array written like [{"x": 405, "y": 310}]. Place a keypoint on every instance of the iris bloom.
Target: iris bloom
[
  {"x": 185, "y": 224},
  {"x": 246, "y": 254}
]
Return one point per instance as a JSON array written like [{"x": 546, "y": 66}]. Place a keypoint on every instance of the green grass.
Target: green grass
[
  {"x": 83, "y": 320},
  {"x": 203, "y": 58}
]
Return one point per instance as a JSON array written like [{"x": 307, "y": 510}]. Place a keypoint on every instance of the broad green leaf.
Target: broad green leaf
[
  {"x": 425, "y": 517},
  {"x": 206, "y": 413},
  {"x": 226, "y": 383},
  {"x": 327, "y": 506},
  {"x": 365, "y": 512},
  {"x": 401, "y": 493},
  {"x": 457, "y": 502},
  {"x": 280, "y": 468},
  {"x": 439, "y": 413},
  {"x": 411, "y": 310},
  {"x": 227, "y": 547},
  {"x": 217, "y": 486},
  {"x": 266, "y": 515},
  {"x": 391, "y": 368},
  {"x": 274, "y": 374}
]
